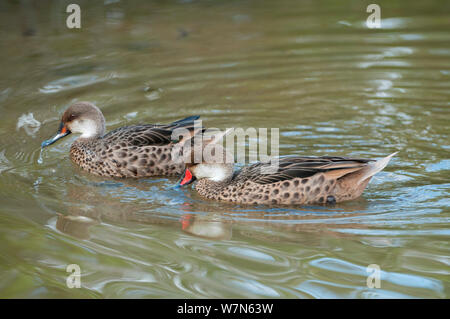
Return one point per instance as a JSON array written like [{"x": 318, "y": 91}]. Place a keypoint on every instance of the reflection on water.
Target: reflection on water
[{"x": 331, "y": 85}]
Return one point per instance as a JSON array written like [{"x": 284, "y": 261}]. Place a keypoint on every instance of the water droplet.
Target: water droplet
[{"x": 40, "y": 161}]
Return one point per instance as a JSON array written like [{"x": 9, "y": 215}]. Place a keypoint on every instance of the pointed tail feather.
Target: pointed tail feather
[
  {"x": 185, "y": 129},
  {"x": 187, "y": 120},
  {"x": 218, "y": 136},
  {"x": 373, "y": 168}
]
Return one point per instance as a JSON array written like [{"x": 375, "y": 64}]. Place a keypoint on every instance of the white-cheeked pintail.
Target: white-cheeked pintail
[
  {"x": 296, "y": 181},
  {"x": 130, "y": 151}
]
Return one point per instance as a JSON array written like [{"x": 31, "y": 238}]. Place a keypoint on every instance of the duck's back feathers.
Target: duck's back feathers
[
  {"x": 148, "y": 134},
  {"x": 301, "y": 167},
  {"x": 188, "y": 121}
]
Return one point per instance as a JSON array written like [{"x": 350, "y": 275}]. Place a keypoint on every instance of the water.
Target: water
[{"x": 312, "y": 69}]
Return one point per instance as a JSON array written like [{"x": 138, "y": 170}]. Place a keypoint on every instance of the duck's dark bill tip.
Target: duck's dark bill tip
[
  {"x": 46, "y": 143},
  {"x": 63, "y": 132}
]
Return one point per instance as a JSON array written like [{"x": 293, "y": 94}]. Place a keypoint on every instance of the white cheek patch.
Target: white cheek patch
[
  {"x": 87, "y": 128},
  {"x": 215, "y": 173}
]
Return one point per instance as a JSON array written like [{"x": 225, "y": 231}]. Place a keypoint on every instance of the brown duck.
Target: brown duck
[
  {"x": 129, "y": 151},
  {"x": 296, "y": 181}
]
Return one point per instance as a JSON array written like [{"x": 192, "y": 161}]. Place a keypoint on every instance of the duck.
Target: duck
[
  {"x": 133, "y": 151},
  {"x": 295, "y": 180}
]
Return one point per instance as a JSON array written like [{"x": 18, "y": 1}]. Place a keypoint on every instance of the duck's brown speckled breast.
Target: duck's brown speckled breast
[
  {"x": 317, "y": 189},
  {"x": 122, "y": 160}
]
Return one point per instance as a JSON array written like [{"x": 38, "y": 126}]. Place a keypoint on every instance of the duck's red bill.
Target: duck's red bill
[{"x": 187, "y": 178}]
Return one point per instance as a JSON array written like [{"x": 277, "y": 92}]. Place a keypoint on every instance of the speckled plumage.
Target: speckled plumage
[
  {"x": 112, "y": 157},
  {"x": 298, "y": 181},
  {"x": 131, "y": 151}
]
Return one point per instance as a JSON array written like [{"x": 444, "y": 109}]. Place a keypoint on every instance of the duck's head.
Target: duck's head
[
  {"x": 213, "y": 162},
  {"x": 214, "y": 172},
  {"x": 83, "y": 118}
]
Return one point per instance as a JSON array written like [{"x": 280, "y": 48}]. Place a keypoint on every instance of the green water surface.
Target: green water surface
[{"x": 310, "y": 68}]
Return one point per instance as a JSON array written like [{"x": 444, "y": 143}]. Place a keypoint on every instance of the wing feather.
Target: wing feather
[
  {"x": 148, "y": 134},
  {"x": 301, "y": 167}
]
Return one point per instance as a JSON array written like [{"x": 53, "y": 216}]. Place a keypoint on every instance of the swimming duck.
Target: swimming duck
[
  {"x": 130, "y": 151},
  {"x": 297, "y": 180}
]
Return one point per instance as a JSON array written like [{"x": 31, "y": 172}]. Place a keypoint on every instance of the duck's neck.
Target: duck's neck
[{"x": 90, "y": 129}]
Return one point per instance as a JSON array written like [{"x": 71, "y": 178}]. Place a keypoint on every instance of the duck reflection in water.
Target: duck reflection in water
[{"x": 91, "y": 204}]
